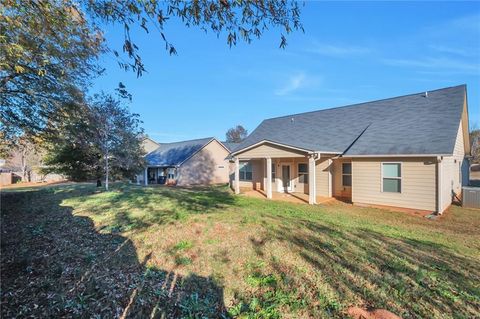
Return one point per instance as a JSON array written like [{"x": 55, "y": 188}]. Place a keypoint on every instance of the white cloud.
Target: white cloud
[
  {"x": 454, "y": 50},
  {"x": 337, "y": 50},
  {"x": 296, "y": 82}
]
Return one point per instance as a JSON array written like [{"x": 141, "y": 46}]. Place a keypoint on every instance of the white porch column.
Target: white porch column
[
  {"x": 269, "y": 178},
  {"x": 237, "y": 176},
  {"x": 145, "y": 176},
  {"x": 330, "y": 184},
  {"x": 311, "y": 181}
]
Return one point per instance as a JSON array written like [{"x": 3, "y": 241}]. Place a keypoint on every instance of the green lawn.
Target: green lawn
[{"x": 205, "y": 253}]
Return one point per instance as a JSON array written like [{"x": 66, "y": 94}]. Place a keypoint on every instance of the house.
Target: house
[
  {"x": 194, "y": 162},
  {"x": 409, "y": 151},
  {"x": 149, "y": 145}
]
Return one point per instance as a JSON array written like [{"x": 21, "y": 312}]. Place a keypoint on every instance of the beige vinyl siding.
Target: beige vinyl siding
[
  {"x": 418, "y": 183},
  {"x": 338, "y": 189},
  {"x": 208, "y": 166},
  {"x": 149, "y": 145},
  {"x": 299, "y": 187},
  {"x": 270, "y": 150},
  {"x": 257, "y": 175},
  {"x": 321, "y": 176},
  {"x": 451, "y": 170}
]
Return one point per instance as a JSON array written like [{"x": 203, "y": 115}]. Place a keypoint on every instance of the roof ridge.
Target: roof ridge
[
  {"x": 193, "y": 140},
  {"x": 357, "y": 104}
]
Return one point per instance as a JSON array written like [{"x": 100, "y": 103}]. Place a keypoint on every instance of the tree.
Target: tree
[
  {"x": 475, "y": 144},
  {"x": 49, "y": 48},
  {"x": 100, "y": 138},
  {"x": 240, "y": 20},
  {"x": 48, "y": 53},
  {"x": 236, "y": 134},
  {"x": 26, "y": 157},
  {"x": 117, "y": 135}
]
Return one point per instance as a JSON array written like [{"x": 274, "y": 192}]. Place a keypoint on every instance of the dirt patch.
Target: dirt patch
[{"x": 359, "y": 313}]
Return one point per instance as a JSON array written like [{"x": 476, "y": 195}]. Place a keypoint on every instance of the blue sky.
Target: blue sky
[{"x": 350, "y": 52}]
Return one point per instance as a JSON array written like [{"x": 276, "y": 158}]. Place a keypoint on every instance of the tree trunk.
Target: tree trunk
[
  {"x": 106, "y": 172},
  {"x": 24, "y": 165}
]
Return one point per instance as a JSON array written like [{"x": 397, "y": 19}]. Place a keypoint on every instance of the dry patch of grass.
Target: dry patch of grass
[{"x": 204, "y": 253}]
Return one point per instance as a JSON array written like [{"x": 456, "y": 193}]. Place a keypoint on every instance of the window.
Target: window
[
  {"x": 273, "y": 172},
  {"x": 245, "y": 171},
  {"x": 347, "y": 174},
  {"x": 171, "y": 173},
  {"x": 303, "y": 173},
  {"x": 392, "y": 177}
]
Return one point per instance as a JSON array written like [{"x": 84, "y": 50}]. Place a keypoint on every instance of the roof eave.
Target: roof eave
[{"x": 395, "y": 155}]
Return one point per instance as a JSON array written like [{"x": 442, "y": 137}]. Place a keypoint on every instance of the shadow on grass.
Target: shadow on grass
[
  {"x": 158, "y": 205},
  {"x": 54, "y": 264},
  {"x": 411, "y": 278},
  {"x": 129, "y": 207}
]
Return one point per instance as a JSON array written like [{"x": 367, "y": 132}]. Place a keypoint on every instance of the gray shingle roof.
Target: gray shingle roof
[
  {"x": 230, "y": 145},
  {"x": 173, "y": 154},
  {"x": 405, "y": 125}
]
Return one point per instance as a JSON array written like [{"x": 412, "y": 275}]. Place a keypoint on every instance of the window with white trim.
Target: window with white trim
[
  {"x": 273, "y": 172},
  {"x": 392, "y": 177},
  {"x": 303, "y": 173},
  {"x": 347, "y": 174},
  {"x": 246, "y": 171}
]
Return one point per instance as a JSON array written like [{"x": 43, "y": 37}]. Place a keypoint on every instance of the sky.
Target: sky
[{"x": 350, "y": 52}]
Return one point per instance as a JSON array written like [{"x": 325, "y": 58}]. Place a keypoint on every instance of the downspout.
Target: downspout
[{"x": 439, "y": 185}]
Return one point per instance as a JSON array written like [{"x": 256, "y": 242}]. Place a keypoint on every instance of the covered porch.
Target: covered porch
[
  {"x": 158, "y": 175},
  {"x": 284, "y": 173},
  {"x": 297, "y": 198}
]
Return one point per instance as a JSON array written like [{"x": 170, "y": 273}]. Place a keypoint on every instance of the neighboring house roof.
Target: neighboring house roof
[
  {"x": 413, "y": 124},
  {"x": 230, "y": 145},
  {"x": 174, "y": 154}
]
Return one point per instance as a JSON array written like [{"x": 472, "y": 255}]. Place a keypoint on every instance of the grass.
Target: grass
[{"x": 203, "y": 253}]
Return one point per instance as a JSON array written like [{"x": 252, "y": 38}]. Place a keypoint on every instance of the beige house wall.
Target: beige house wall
[
  {"x": 322, "y": 171},
  {"x": 208, "y": 166},
  {"x": 149, "y": 145},
  {"x": 338, "y": 189},
  {"x": 452, "y": 170},
  {"x": 418, "y": 183},
  {"x": 259, "y": 178},
  {"x": 5, "y": 179},
  {"x": 257, "y": 175}
]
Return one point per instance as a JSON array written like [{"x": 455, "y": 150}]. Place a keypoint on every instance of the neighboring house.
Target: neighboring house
[
  {"x": 194, "y": 162},
  {"x": 408, "y": 151},
  {"x": 149, "y": 145}
]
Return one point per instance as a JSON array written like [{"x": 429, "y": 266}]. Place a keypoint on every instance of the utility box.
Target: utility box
[{"x": 471, "y": 197}]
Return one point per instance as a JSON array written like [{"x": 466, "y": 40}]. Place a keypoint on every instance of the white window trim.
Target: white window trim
[
  {"x": 273, "y": 168},
  {"x": 302, "y": 173},
  {"x": 351, "y": 170},
  {"x": 240, "y": 172},
  {"x": 400, "y": 178},
  {"x": 292, "y": 180}
]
